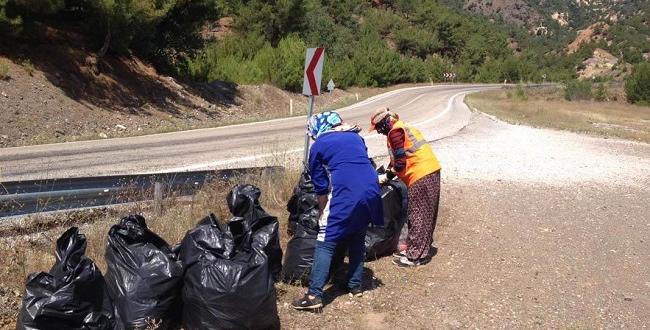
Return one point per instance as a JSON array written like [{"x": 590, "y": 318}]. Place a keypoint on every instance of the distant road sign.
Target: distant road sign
[
  {"x": 330, "y": 85},
  {"x": 313, "y": 71},
  {"x": 449, "y": 75}
]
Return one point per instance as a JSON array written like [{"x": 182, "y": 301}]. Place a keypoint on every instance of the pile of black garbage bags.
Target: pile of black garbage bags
[
  {"x": 230, "y": 268},
  {"x": 303, "y": 228},
  {"x": 221, "y": 276}
]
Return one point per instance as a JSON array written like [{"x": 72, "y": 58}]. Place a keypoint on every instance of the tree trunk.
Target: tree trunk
[{"x": 103, "y": 51}]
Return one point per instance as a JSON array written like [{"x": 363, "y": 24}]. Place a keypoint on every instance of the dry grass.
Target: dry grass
[
  {"x": 4, "y": 70},
  {"x": 28, "y": 67},
  {"x": 27, "y": 245},
  {"x": 546, "y": 107}
]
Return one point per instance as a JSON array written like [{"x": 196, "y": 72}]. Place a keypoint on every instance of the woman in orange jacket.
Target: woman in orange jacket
[{"x": 413, "y": 161}]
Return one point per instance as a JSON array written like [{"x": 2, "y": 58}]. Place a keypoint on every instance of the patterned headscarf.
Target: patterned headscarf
[{"x": 323, "y": 122}]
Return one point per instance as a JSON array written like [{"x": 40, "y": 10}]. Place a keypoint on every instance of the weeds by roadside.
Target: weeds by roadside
[
  {"x": 28, "y": 67},
  {"x": 4, "y": 70},
  {"x": 578, "y": 90},
  {"x": 520, "y": 93},
  {"x": 601, "y": 94}
]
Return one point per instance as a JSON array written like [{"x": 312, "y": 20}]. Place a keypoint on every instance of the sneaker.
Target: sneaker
[
  {"x": 356, "y": 292},
  {"x": 406, "y": 262},
  {"x": 307, "y": 303},
  {"x": 399, "y": 254}
]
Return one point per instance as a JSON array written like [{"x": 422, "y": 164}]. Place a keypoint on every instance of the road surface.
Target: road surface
[{"x": 437, "y": 110}]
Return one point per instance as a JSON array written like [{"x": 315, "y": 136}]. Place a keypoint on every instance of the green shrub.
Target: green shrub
[
  {"x": 601, "y": 94},
  {"x": 577, "y": 90},
  {"x": 28, "y": 66},
  {"x": 490, "y": 71},
  {"x": 343, "y": 72},
  {"x": 9, "y": 26},
  {"x": 637, "y": 85},
  {"x": 265, "y": 61},
  {"x": 520, "y": 93},
  {"x": 251, "y": 61},
  {"x": 435, "y": 67},
  {"x": 231, "y": 59},
  {"x": 289, "y": 62},
  {"x": 377, "y": 65}
]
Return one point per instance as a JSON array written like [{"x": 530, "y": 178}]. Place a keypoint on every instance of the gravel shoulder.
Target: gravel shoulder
[
  {"x": 513, "y": 255},
  {"x": 489, "y": 149},
  {"x": 538, "y": 229}
]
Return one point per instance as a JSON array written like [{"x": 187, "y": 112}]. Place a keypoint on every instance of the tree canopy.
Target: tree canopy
[{"x": 366, "y": 45}]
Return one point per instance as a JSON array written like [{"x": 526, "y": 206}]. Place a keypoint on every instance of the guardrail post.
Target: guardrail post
[{"x": 157, "y": 198}]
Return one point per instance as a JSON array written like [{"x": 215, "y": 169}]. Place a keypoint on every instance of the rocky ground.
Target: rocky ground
[
  {"x": 513, "y": 255},
  {"x": 538, "y": 229}
]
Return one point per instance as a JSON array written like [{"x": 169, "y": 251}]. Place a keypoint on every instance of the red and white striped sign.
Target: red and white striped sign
[{"x": 313, "y": 71}]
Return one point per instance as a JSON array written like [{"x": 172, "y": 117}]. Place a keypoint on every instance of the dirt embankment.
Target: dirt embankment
[{"x": 57, "y": 91}]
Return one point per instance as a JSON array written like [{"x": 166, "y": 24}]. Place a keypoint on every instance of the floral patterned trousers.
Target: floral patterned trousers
[{"x": 423, "y": 200}]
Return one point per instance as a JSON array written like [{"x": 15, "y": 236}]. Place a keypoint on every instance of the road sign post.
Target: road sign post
[
  {"x": 310, "y": 111},
  {"x": 312, "y": 76}
]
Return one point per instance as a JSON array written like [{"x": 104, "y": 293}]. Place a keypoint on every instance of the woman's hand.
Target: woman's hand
[{"x": 383, "y": 179}]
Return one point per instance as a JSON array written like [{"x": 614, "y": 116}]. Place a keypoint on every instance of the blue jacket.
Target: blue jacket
[{"x": 339, "y": 166}]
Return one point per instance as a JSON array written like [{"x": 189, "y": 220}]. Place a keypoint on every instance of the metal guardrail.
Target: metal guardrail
[{"x": 34, "y": 196}]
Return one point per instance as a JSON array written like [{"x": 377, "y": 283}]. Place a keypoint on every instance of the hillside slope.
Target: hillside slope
[
  {"x": 574, "y": 28},
  {"x": 53, "y": 93}
]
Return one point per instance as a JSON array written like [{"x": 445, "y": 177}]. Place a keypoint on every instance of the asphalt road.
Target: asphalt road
[{"x": 437, "y": 110}]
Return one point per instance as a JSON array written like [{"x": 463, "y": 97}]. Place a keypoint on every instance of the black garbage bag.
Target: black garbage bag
[
  {"x": 299, "y": 256},
  {"x": 303, "y": 227},
  {"x": 303, "y": 217},
  {"x": 228, "y": 282},
  {"x": 383, "y": 240},
  {"x": 71, "y": 296},
  {"x": 144, "y": 277},
  {"x": 303, "y": 205},
  {"x": 244, "y": 202}
]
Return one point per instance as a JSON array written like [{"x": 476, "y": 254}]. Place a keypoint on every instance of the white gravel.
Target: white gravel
[{"x": 489, "y": 149}]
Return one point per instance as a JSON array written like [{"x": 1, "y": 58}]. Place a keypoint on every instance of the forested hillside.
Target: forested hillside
[
  {"x": 623, "y": 26},
  {"x": 368, "y": 43}
]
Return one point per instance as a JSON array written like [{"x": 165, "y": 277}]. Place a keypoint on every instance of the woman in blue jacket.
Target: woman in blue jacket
[{"x": 349, "y": 199}]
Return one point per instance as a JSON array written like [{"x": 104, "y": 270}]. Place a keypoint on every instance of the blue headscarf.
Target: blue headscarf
[{"x": 323, "y": 122}]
